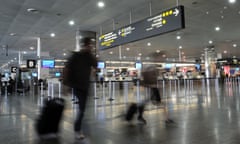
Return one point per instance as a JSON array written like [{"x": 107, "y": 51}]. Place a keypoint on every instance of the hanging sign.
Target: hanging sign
[{"x": 166, "y": 21}]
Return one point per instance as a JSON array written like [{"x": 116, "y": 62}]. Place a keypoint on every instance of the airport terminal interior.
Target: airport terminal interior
[{"x": 190, "y": 45}]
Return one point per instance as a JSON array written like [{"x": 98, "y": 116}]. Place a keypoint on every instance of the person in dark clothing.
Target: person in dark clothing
[{"x": 79, "y": 68}]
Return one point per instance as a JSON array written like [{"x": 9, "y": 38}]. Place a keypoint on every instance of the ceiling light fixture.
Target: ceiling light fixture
[
  {"x": 110, "y": 52},
  {"x": 31, "y": 48},
  {"x": 12, "y": 34},
  {"x": 225, "y": 51},
  {"x": 101, "y": 4},
  {"x": 157, "y": 51},
  {"x": 52, "y": 34},
  {"x": 140, "y": 54},
  {"x": 234, "y": 45},
  {"x": 149, "y": 44},
  {"x": 217, "y": 28},
  {"x": 33, "y": 10},
  {"x": 180, "y": 47},
  {"x": 232, "y": 1},
  {"x": 127, "y": 49},
  {"x": 71, "y": 22},
  {"x": 210, "y": 42},
  {"x": 178, "y": 37}
]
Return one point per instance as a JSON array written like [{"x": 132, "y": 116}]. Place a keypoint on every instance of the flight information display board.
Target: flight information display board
[{"x": 166, "y": 21}]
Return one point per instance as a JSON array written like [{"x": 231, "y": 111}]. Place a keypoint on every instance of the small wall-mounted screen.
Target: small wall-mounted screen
[
  {"x": 57, "y": 74},
  {"x": 168, "y": 66},
  {"x": 34, "y": 74},
  {"x": 101, "y": 65},
  {"x": 48, "y": 63},
  {"x": 138, "y": 65}
]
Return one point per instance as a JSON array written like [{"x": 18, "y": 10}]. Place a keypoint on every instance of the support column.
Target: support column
[
  {"x": 42, "y": 73},
  {"x": 39, "y": 57},
  {"x": 207, "y": 63}
]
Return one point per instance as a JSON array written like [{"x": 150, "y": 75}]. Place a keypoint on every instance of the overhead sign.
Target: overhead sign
[
  {"x": 166, "y": 21},
  {"x": 31, "y": 63},
  {"x": 13, "y": 69}
]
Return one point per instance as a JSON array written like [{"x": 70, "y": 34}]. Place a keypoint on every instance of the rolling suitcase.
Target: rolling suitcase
[
  {"x": 131, "y": 111},
  {"x": 50, "y": 116}
]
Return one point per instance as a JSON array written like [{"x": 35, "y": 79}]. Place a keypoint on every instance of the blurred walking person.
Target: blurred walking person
[{"x": 79, "y": 67}]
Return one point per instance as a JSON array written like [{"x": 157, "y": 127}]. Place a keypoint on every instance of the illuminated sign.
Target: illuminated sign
[
  {"x": 31, "y": 63},
  {"x": 166, "y": 21},
  {"x": 13, "y": 69}
]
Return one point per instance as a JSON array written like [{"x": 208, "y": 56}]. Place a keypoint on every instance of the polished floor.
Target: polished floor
[{"x": 205, "y": 112}]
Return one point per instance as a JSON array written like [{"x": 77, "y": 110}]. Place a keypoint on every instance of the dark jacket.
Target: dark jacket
[{"x": 79, "y": 68}]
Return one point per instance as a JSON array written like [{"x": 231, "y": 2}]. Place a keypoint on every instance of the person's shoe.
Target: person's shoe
[
  {"x": 141, "y": 119},
  {"x": 169, "y": 121},
  {"x": 79, "y": 136}
]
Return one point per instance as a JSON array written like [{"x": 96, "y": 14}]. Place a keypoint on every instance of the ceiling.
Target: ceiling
[{"x": 19, "y": 29}]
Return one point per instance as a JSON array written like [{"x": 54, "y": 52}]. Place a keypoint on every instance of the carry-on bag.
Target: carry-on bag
[
  {"x": 50, "y": 116},
  {"x": 132, "y": 109}
]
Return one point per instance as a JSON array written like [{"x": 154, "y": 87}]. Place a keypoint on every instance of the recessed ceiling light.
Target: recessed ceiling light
[
  {"x": 225, "y": 51},
  {"x": 52, "y": 34},
  {"x": 234, "y": 45},
  {"x": 210, "y": 42},
  {"x": 180, "y": 47},
  {"x": 217, "y": 28},
  {"x": 101, "y": 4},
  {"x": 149, "y": 44},
  {"x": 12, "y": 34},
  {"x": 33, "y": 10},
  {"x": 71, "y": 22},
  {"x": 127, "y": 49},
  {"x": 140, "y": 54},
  {"x": 24, "y": 52},
  {"x": 31, "y": 48},
  {"x": 157, "y": 51},
  {"x": 64, "y": 54},
  {"x": 110, "y": 52},
  {"x": 207, "y": 12},
  {"x": 231, "y": 1},
  {"x": 178, "y": 37}
]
